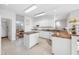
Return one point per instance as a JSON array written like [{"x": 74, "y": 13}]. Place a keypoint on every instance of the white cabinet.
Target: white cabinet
[
  {"x": 75, "y": 45},
  {"x": 31, "y": 40},
  {"x": 34, "y": 39},
  {"x": 46, "y": 34},
  {"x": 26, "y": 40},
  {"x": 61, "y": 46}
]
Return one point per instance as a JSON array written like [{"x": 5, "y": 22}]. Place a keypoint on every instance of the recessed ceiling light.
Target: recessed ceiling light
[
  {"x": 40, "y": 14},
  {"x": 33, "y": 7}
]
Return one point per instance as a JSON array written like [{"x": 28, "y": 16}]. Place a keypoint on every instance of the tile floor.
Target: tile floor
[{"x": 17, "y": 48}]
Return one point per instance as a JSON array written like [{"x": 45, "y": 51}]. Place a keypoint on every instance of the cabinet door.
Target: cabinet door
[
  {"x": 26, "y": 40},
  {"x": 61, "y": 46},
  {"x": 33, "y": 39},
  {"x": 74, "y": 45},
  {"x": 44, "y": 34}
]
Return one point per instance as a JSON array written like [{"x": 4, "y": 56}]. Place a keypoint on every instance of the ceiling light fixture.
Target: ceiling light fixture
[
  {"x": 40, "y": 14},
  {"x": 31, "y": 8},
  {"x": 6, "y": 4}
]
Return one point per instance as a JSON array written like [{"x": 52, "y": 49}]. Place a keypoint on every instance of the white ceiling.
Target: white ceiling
[{"x": 47, "y": 8}]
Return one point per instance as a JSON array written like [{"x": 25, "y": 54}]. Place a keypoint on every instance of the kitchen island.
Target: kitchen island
[
  {"x": 31, "y": 39},
  {"x": 64, "y": 43},
  {"x": 61, "y": 46},
  {"x": 61, "y": 43}
]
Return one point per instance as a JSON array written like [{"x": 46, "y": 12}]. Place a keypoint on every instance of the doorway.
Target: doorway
[{"x": 19, "y": 26}]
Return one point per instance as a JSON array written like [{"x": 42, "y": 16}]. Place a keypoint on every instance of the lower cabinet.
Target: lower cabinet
[
  {"x": 46, "y": 34},
  {"x": 75, "y": 45},
  {"x": 31, "y": 40},
  {"x": 61, "y": 46}
]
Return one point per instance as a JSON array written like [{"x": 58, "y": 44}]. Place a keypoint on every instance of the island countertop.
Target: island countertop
[
  {"x": 62, "y": 34},
  {"x": 67, "y": 37}
]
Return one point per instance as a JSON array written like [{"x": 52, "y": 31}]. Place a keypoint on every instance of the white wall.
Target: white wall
[
  {"x": 4, "y": 27},
  {"x": 49, "y": 20},
  {"x": 44, "y": 21},
  {"x": 19, "y": 22},
  {"x": 0, "y": 34},
  {"x": 62, "y": 23},
  {"x": 10, "y": 15},
  {"x": 28, "y": 24}
]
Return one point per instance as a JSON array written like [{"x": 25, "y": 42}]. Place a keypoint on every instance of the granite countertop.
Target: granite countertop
[
  {"x": 69, "y": 37},
  {"x": 53, "y": 30},
  {"x": 75, "y": 35},
  {"x": 62, "y": 34},
  {"x": 28, "y": 33}
]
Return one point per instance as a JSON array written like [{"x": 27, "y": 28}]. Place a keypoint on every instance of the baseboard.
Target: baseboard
[
  {"x": 52, "y": 53},
  {"x": 4, "y": 37},
  {"x": 44, "y": 38}
]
